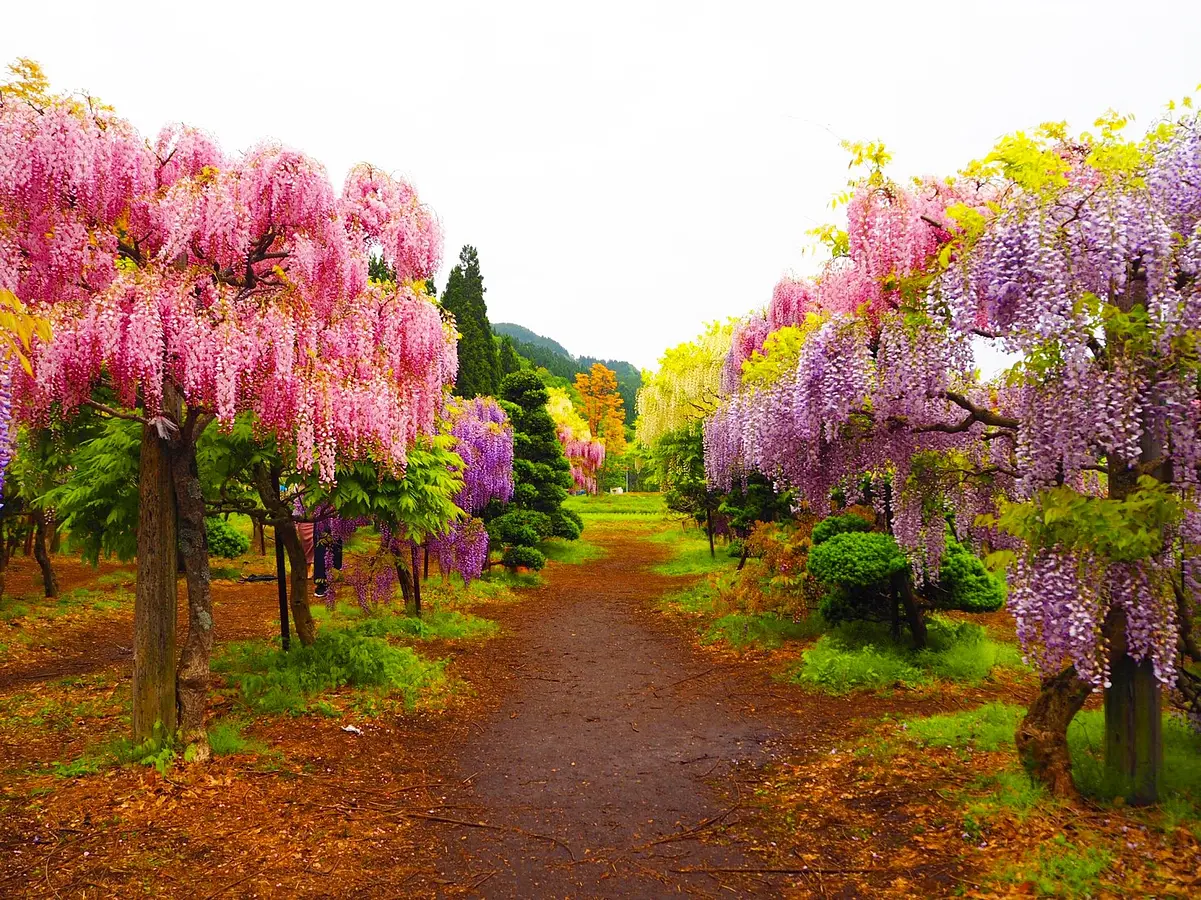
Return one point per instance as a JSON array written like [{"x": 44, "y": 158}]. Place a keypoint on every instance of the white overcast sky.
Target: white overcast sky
[{"x": 627, "y": 171}]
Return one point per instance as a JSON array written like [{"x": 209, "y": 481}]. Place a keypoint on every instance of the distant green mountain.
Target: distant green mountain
[
  {"x": 553, "y": 356},
  {"x": 523, "y": 334}
]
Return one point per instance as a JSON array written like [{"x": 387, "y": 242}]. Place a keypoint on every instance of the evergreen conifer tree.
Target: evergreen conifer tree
[{"x": 479, "y": 371}]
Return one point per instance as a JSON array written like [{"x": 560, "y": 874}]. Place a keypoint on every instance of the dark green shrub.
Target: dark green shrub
[
  {"x": 225, "y": 541},
  {"x": 856, "y": 559},
  {"x": 530, "y": 557},
  {"x": 566, "y": 524},
  {"x": 843, "y": 524},
  {"x": 964, "y": 582}
]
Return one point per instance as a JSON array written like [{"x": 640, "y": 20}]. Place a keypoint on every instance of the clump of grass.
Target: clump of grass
[
  {"x": 226, "y": 739},
  {"x": 1061, "y": 869},
  {"x": 272, "y": 681},
  {"x": 700, "y": 599},
  {"x": 121, "y": 579},
  {"x": 988, "y": 727},
  {"x": 863, "y": 655},
  {"x": 227, "y": 573},
  {"x": 571, "y": 552},
  {"x": 449, "y": 625},
  {"x": 503, "y": 577},
  {"x": 761, "y": 629},
  {"x": 618, "y": 507},
  {"x": 690, "y": 549}
]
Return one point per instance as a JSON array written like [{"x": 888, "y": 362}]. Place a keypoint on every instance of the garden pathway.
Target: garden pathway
[{"x": 614, "y": 758}]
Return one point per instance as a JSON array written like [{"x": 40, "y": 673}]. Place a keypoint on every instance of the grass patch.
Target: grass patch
[
  {"x": 119, "y": 579},
  {"x": 988, "y": 727},
  {"x": 862, "y": 655},
  {"x": 1061, "y": 869},
  {"x": 447, "y": 625},
  {"x": 502, "y": 577},
  {"x": 226, "y": 739},
  {"x": 272, "y": 681},
  {"x": 618, "y": 507},
  {"x": 226, "y": 573},
  {"x": 571, "y": 552},
  {"x": 700, "y": 599},
  {"x": 690, "y": 549},
  {"x": 761, "y": 629}
]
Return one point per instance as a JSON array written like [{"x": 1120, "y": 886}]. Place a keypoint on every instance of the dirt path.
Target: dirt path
[{"x": 613, "y": 759}]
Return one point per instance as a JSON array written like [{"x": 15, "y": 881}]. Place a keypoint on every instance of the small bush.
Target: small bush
[
  {"x": 529, "y": 557},
  {"x": 846, "y": 523},
  {"x": 514, "y": 528},
  {"x": 566, "y": 524},
  {"x": 964, "y": 582},
  {"x": 856, "y": 559},
  {"x": 224, "y": 540}
]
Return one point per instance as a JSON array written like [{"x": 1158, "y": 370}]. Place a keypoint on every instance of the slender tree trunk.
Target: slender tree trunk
[
  {"x": 49, "y": 581},
  {"x": 742, "y": 558},
  {"x": 28, "y": 549},
  {"x": 709, "y": 530},
  {"x": 416, "y": 560},
  {"x": 1042, "y": 735},
  {"x": 155, "y": 598},
  {"x": 281, "y": 581},
  {"x": 406, "y": 585},
  {"x": 426, "y": 563},
  {"x": 913, "y": 612},
  {"x": 302, "y": 615},
  {"x": 259, "y": 537},
  {"x": 266, "y": 483},
  {"x": 56, "y": 535},
  {"x": 193, "y": 671}
]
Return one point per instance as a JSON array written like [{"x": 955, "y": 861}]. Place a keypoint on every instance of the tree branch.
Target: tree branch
[{"x": 116, "y": 413}]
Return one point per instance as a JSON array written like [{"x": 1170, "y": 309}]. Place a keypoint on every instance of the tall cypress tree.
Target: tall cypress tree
[
  {"x": 507, "y": 357},
  {"x": 479, "y": 370}
]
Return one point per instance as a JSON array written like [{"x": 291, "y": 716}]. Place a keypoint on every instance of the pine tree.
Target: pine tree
[{"x": 479, "y": 370}]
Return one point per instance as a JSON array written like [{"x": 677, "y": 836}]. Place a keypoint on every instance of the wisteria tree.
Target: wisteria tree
[
  {"x": 1080, "y": 255},
  {"x": 198, "y": 285},
  {"x": 585, "y": 454}
]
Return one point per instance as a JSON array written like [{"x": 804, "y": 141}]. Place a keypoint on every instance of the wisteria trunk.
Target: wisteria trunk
[
  {"x": 155, "y": 598},
  {"x": 42, "y": 555},
  {"x": 1133, "y": 722},
  {"x": 1133, "y": 725},
  {"x": 1042, "y": 735},
  {"x": 709, "y": 529},
  {"x": 193, "y": 672}
]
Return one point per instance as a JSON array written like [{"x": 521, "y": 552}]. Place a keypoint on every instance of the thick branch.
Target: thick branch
[{"x": 981, "y": 413}]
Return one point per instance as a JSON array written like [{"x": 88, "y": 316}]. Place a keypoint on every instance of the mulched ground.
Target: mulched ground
[{"x": 592, "y": 750}]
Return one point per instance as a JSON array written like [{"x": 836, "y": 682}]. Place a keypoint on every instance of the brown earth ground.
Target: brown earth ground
[{"x": 594, "y": 749}]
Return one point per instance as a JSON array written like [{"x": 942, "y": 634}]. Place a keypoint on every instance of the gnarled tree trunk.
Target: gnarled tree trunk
[
  {"x": 913, "y": 612},
  {"x": 1042, "y": 735},
  {"x": 40, "y": 553},
  {"x": 1133, "y": 720},
  {"x": 155, "y": 598},
  {"x": 193, "y": 672},
  {"x": 416, "y": 559}
]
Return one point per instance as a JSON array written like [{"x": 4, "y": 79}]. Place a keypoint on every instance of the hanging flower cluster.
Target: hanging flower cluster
[{"x": 241, "y": 282}]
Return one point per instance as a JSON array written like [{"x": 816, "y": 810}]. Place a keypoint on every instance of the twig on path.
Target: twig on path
[
  {"x": 767, "y": 870},
  {"x": 468, "y": 779},
  {"x": 688, "y": 833},
  {"x": 234, "y": 884},
  {"x": 480, "y": 883},
  {"x": 466, "y": 824},
  {"x": 693, "y": 677}
]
